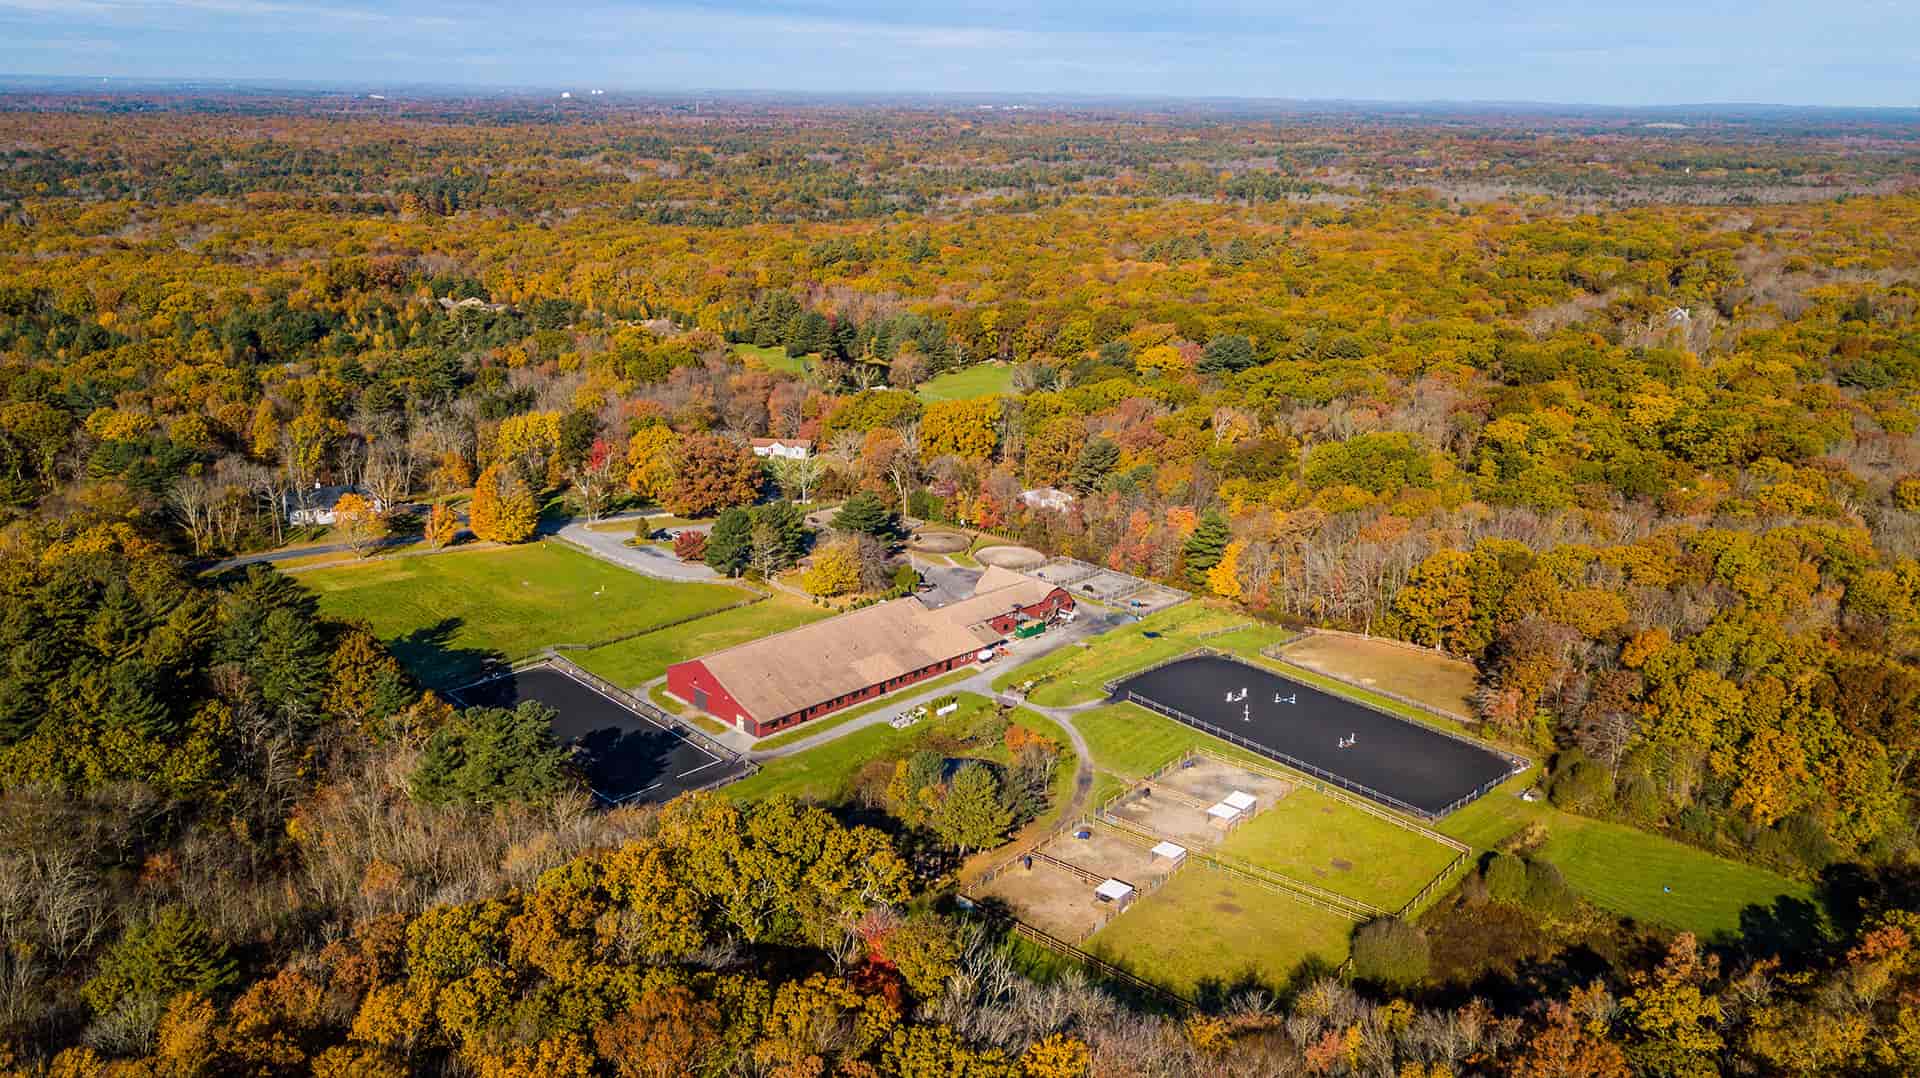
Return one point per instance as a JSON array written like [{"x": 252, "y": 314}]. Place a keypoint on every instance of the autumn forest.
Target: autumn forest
[{"x": 1623, "y": 414}]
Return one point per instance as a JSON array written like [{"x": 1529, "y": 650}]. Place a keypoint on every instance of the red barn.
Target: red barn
[{"x": 779, "y": 681}]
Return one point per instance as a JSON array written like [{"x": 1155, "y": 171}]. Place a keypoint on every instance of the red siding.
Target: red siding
[
  {"x": 1057, "y": 600},
  {"x": 684, "y": 679}
]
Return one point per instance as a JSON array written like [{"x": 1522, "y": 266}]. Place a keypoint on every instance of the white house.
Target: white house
[
  {"x": 789, "y": 448},
  {"x": 1047, "y": 498},
  {"x": 317, "y": 506}
]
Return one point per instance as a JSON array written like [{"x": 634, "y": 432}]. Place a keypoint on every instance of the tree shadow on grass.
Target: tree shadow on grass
[
  {"x": 431, "y": 656},
  {"x": 1789, "y": 928}
]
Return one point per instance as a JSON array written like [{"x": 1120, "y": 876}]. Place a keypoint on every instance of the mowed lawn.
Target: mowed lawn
[
  {"x": 772, "y": 358},
  {"x": 1634, "y": 873},
  {"x": 445, "y": 615},
  {"x": 639, "y": 660},
  {"x": 1205, "y": 927},
  {"x": 1130, "y": 741},
  {"x": 1329, "y": 843},
  {"x": 1078, "y": 675},
  {"x": 979, "y": 380}
]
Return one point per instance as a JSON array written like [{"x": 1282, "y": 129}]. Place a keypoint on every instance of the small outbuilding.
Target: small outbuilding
[
  {"x": 1118, "y": 892},
  {"x": 1170, "y": 851},
  {"x": 1224, "y": 816}
]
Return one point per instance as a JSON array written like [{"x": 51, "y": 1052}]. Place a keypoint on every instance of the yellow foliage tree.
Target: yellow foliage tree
[
  {"x": 835, "y": 570},
  {"x": 359, "y": 522},
  {"x": 503, "y": 510},
  {"x": 1224, "y": 577},
  {"x": 650, "y": 462},
  {"x": 442, "y": 525},
  {"x": 1161, "y": 359},
  {"x": 1059, "y": 1056},
  {"x": 963, "y": 428}
]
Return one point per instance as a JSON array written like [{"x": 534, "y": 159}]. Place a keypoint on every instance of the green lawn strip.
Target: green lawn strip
[
  {"x": 1078, "y": 675},
  {"x": 773, "y": 358},
  {"x": 1105, "y": 785},
  {"x": 979, "y": 380},
  {"x": 668, "y": 520},
  {"x": 1329, "y": 843},
  {"x": 1204, "y": 926},
  {"x": 1130, "y": 741},
  {"x": 828, "y": 722},
  {"x": 1626, "y": 870},
  {"x": 444, "y": 616},
  {"x": 824, "y": 773},
  {"x": 642, "y": 658}
]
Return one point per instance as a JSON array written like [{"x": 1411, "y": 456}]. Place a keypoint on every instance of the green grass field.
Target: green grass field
[
  {"x": 1326, "y": 842},
  {"x": 825, "y": 774},
  {"x": 979, "y": 380},
  {"x": 1205, "y": 927},
  {"x": 1618, "y": 868},
  {"x": 643, "y": 658},
  {"x": 773, "y": 358},
  {"x": 446, "y": 614},
  {"x": 1130, "y": 741},
  {"x": 1625, "y": 870},
  {"x": 1078, "y": 675}
]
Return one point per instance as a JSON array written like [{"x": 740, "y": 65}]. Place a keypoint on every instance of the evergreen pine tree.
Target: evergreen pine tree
[
  {"x": 1227, "y": 354},
  {"x": 730, "y": 544},
  {"x": 972, "y": 816},
  {"x": 1097, "y": 460},
  {"x": 159, "y": 958},
  {"x": 1206, "y": 546},
  {"x": 865, "y": 514}
]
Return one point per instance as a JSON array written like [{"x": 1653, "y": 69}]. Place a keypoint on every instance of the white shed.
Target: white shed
[
  {"x": 1241, "y": 800},
  {"x": 1118, "y": 892},
  {"x": 1172, "y": 851},
  {"x": 1224, "y": 815}
]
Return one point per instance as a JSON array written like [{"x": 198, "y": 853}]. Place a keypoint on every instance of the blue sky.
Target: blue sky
[{"x": 1634, "y": 52}]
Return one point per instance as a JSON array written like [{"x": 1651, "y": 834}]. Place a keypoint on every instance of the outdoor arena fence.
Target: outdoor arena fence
[
  {"x": 1292, "y": 761},
  {"x": 660, "y": 717},
  {"x": 1273, "y": 651},
  {"x": 1342, "y": 796},
  {"x": 1519, "y": 763},
  {"x": 1100, "y": 966},
  {"x": 1278, "y": 882},
  {"x": 1113, "y": 687},
  {"x": 1419, "y": 901}
]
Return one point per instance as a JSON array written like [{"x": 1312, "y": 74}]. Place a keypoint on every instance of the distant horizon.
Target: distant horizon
[
  {"x": 16, "y": 82},
  {"x": 1842, "y": 54}
]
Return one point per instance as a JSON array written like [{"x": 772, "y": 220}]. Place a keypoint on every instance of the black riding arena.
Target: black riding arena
[{"x": 1398, "y": 763}]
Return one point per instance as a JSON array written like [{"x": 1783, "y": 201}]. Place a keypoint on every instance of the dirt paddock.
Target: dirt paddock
[
  {"x": 938, "y": 542},
  {"x": 1049, "y": 898},
  {"x": 1009, "y": 557},
  {"x": 1209, "y": 780},
  {"x": 1168, "y": 817},
  {"x": 1434, "y": 680}
]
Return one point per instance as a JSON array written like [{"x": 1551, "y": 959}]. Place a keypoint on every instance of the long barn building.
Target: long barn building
[{"x": 780, "y": 681}]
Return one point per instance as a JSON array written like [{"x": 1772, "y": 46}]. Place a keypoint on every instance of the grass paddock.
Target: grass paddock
[
  {"x": 447, "y": 614},
  {"x": 979, "y": 380},
  {"x": 641, "y": 659},
  {"x": 1205, "y": 929}
]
